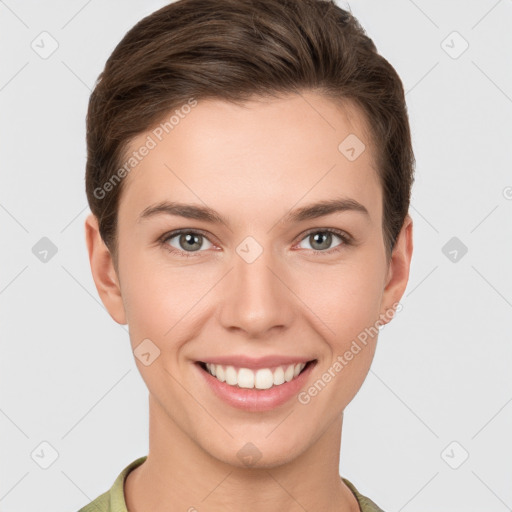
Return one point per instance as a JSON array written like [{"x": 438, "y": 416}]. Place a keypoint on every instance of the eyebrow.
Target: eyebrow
[{"x": 206, "y": 214}]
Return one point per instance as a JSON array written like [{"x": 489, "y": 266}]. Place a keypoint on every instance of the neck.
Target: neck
[{"x": 178, "y": 474}]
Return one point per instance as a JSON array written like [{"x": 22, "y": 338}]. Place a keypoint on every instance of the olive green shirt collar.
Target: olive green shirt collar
[{"x": 113, "y": 500}]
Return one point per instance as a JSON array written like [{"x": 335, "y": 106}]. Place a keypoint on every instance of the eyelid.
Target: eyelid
[
  {"x": 175, "y": 232},
  {"x": 179, "y": 231},
  {"x": 346, "y": 238},
  {"x": 338, "y": 232}
]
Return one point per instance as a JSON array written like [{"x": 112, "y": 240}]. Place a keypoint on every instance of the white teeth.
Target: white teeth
[
  {"x": 245, "y": 378},
  {"x": 263, "y": 378},
  {"x": 220, "y": 373},
  {"x": 278, "y": 376},
  {"x": 231, "y": 377}
]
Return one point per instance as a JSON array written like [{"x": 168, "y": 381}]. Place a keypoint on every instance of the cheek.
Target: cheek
[
  {"x": 345, "y": 299},
  {"x": 348, "y": 302},
  {"x": 159, "y": 304},
  {"x": 161, "y": 300}
]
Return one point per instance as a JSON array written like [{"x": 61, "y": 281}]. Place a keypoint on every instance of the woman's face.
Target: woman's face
[{"x": 266, "y": 281}]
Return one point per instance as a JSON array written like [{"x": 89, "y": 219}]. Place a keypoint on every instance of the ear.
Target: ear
[
  {"x": 398, "y": 271},
  {"x": 103, "y": 271}
]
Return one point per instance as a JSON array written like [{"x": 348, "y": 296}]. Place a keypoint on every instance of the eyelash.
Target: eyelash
[{"x": 346, "y": 241}]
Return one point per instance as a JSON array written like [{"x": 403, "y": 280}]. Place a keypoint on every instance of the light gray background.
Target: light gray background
[{"x": 442, "y": 371}]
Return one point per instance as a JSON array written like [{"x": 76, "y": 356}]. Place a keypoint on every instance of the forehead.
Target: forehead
[{"x": 244, "y": 159}]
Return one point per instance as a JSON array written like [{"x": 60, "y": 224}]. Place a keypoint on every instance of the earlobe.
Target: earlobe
[
  {"x": 103, "y": 271},
  {"x": 399, "y": 267}
]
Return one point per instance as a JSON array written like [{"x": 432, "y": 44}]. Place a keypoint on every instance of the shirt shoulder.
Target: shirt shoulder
[
  {"x": 113, "y": 499},
  {"x": 365, "y": 504},
  {"x": 100, "y": 504}
]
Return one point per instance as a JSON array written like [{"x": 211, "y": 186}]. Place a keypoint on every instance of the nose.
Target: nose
[{"x": 256, "y": 297}]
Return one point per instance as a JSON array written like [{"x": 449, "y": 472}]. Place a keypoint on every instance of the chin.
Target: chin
[{"x": 258, "y": 451}]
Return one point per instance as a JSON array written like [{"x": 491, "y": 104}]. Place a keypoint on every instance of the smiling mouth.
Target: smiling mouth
[{"x": 261, "y": 378}]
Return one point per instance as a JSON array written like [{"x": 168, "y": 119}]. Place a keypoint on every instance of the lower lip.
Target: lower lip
[{"x": 257, "y": 400}]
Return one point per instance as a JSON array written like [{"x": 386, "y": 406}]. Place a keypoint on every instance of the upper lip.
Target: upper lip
[{"x": 244, "y": 361}]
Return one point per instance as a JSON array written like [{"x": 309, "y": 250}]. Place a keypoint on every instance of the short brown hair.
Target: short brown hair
[{"x": 232, "y": 50}]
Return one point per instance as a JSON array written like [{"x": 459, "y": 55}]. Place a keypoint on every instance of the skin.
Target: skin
[{"x": 252, "y": 164}]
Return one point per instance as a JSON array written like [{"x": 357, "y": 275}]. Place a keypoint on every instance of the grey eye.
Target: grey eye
[
  {"x": 188, "y": 242},
  {"x": 321, "y": 240}
]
